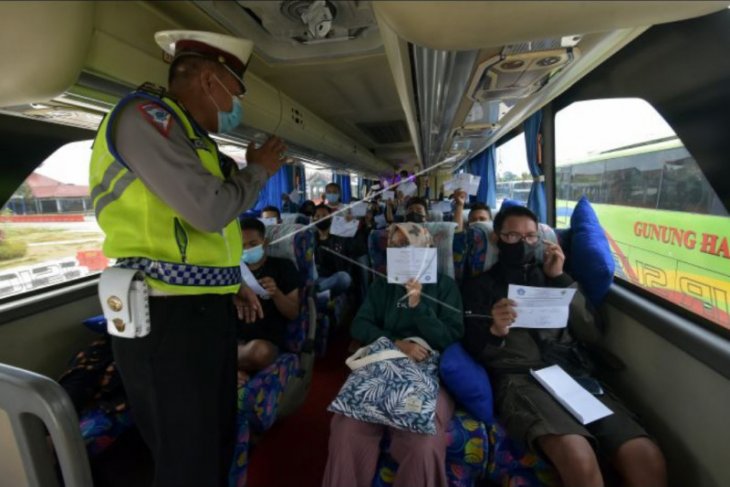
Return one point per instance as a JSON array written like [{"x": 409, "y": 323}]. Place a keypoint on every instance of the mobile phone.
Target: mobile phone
[{"x": 591, "y": 385}]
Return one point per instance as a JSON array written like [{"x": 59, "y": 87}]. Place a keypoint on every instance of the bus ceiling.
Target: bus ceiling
[{"x": 463, "y": 74}]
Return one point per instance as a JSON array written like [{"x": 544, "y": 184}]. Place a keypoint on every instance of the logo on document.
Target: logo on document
[{"x": 521, "y": 292}]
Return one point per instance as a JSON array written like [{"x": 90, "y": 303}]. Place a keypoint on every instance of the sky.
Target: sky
[{"x": 582, "y": 129}]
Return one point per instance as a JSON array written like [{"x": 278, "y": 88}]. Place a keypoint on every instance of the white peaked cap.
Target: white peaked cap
[{"x": 232, "y": 52}]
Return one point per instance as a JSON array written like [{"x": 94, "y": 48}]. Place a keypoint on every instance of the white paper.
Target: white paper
[
  {"x": 294, "y": 196},
  {"x": 578, "y": 401},
  {"x": 380, "y": 221},
  {"x": 442, "y": 206},
  {"x": 359, "y": 209},
  {"x": 412, "y": 263},
  {"x": 463, "y": 181},
  {"x": 252, "y": 283},
  {"x": 268, "y": 221},
  {"x": 408, "y": 189},
  {"x": 541, "y": 307},
  {"x": 342, "y": 228},
  {"x": 388, "y": 195}
]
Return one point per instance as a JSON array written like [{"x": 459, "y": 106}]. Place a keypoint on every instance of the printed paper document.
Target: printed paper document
[
  {"x": 408, "y": 189},
  {"x": 358, "y": 209},
  {"x": 442, "y": 206},
  {"x": 578, "y": 401},
  {"x": 412, "y": 263},
  {"x": 252, "y": 283},
  {"x": 541, "y": 307},
  {"x": 463, "y": 181},
  {"x": 342, "y": 228}
]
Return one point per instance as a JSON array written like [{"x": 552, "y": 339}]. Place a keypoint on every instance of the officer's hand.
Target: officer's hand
[
  {"x": 248, "y": 306},
  {"x": 503, "y": 315},
  {"x": 270, "y": 155}
]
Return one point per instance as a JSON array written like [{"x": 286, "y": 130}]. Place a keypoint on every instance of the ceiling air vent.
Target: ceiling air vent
[
  {"x": 522, "y": 69},
  {"x": 393, "y": 132}
]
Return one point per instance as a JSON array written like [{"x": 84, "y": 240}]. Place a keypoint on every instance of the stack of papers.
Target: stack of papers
[
  {"x": 463, "y": 181},
  {"x": 342, "y": 228},
  {"x": 409, "y": 263},
  {"x": 541, "y": 307},
  {"x": 579, "y": 402}
]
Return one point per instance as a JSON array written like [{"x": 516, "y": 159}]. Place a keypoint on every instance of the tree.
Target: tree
[{"x": 509, "y": 176}]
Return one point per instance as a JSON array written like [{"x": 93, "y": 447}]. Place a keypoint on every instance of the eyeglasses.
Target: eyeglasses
[{"x": 514, "y": 237}]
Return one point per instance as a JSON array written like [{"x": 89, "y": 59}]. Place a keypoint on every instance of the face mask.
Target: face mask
[
  {"x": 415, "y": 217},
  {"x": 227, "y": 121},
  {"x": 253, "y": 255},
  {"x": 519, "y": 253},
  {"x": 324, "y": 224},
  {"x": 332, "y": 197}
]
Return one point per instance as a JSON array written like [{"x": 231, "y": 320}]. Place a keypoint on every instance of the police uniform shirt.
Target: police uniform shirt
[{"x": 158, "y": 151}]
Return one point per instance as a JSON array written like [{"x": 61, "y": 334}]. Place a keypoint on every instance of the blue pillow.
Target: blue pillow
[
  {"x": 468, "y": 382},
  {"x": 96, "y": 323},
  {"x": 591, "y": 262}
]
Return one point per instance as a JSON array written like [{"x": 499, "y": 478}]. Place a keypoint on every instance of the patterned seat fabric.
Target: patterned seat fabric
[
  {"x": 466, "y": 454},
  {"x": 513, "y": 465}
]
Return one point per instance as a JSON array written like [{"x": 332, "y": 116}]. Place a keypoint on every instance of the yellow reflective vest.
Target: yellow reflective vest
[{"x": 144, "y": 233}]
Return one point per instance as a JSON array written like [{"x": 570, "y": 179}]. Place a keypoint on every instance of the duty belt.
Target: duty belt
[{"x": 183, "y": 274}]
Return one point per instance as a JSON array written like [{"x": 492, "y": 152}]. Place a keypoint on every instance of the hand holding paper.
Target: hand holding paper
[
  {"x": 412, "y": 263},
  {"x": 540, "y": 307},
  {"x": 252, "y": 283},
  {"x": 344, "y": 228}
]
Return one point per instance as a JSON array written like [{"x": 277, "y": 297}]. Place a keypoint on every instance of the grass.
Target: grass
[{"x": 42, "y": 253}]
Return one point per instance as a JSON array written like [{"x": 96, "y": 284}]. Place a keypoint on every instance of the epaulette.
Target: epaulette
[{"x": 152, "y": 89}]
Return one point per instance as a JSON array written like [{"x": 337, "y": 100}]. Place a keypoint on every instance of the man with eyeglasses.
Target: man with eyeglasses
[
  {"x": 167, "y": 200},
  {"x": 528, "y": 411}
]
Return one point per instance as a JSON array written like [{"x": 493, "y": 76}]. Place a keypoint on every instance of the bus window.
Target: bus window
[
  {"x": 668, "y": 230},
  {"x": 513, "y": 176},
  {"x": 48, "y": 233},
  {"x": 317, "y": 178}
]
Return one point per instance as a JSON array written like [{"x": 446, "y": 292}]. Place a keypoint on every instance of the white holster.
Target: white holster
[{"x": 124, "y": 299}]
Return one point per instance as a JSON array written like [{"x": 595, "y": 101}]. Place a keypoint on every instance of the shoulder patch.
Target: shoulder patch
[{"x": 157, "y": 116}]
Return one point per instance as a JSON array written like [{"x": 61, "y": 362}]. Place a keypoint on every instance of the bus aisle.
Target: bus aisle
[{"x": 294, "y": 450}]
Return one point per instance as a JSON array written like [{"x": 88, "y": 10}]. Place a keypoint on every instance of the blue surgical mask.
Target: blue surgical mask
[
  {"x": 227, "y": 121},
  {"x": 253, "y": 255},
  {"x": 332, "y": 197}
]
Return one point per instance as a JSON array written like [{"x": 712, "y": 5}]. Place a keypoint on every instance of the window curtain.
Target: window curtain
[
  {"x": 536, "y": 200},
  {"x": 345, "y": 189},
  {"x": 279, "y": 183},
  {"x": 484, "y": 166}
]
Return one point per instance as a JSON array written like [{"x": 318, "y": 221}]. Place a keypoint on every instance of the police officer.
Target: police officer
[{"x": 167, "y": 200}]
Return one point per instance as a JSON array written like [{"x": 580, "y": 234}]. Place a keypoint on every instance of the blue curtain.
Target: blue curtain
[
  {"x": 484, "y": 165},
  {"x": 279, "y": 183},
  {"x": 344, "y": 181},
  {"x": 536, "y": 200}
]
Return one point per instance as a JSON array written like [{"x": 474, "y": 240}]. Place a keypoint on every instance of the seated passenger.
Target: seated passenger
[
  {"x": 398, "y": 312},
  {"x": 271, "y": 214},
  {"x": 526, "y": 409},
  {"x": 478, "y": 212},
  {"x": 331, "y": 197},
  {"x": 287, "y": 205},
  {"x": 333, "y": 255},
  {"x": 261, "y": 340},
  {"x": 415, "y": 209}
]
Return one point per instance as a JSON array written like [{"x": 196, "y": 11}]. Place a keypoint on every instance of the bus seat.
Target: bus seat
[
  {"x": 287, "y": 218},
  {"x": 435, "y": 216},
  {"x": 481, "y": 256},
  {"x": 33, "y": 406}
]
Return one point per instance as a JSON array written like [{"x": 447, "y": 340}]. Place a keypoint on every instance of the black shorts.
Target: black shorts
[
  {"x": 275, "y": 334},
  {"x": 528, "y": 412}
]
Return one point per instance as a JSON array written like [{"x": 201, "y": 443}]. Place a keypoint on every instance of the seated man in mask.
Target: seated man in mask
[
  {"x": 478, "y": 212},
  {"x": 416, "y": 210},
  {"x": 526, "y": 409},
  {"x": 259, "y": 341},
  {"x": 333, "y": 255}
]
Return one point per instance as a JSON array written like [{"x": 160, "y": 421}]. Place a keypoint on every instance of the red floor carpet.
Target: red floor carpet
[{"x": 293, "y": 453}]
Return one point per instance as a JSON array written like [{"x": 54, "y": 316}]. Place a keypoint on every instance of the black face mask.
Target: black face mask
[
  {"x": 516, "y": 254},
  {"x": 324, "y": 224},
  {"x": 415, "y": 217}
]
